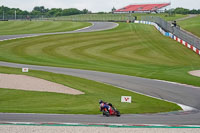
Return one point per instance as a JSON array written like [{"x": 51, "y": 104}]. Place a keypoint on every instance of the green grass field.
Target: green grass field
[
  {"x": 28, "y": 27},
  {"x": 192, "y": 25},
  {"x": 116, "y": 17},
  {"x": 18, "y": 101},
  {"x": 131, "y": 49}
]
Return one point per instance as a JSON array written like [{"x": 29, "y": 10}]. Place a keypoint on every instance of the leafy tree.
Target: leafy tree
[
  {"x": 54, "y": 12},
  {"x": 194, "y": 11},
  {"x": 70, "y": 11},
  {"x": 36, "y": 13},
  {"x": 41, "y": 9},
  {"x": 11, "y": 11},
  {"x": 181, "y": 11},
  {"x": 85, "y": 11},
  {"x": 101, "y": 12}
]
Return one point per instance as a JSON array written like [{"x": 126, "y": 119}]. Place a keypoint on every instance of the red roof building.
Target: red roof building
[{"x": 142, "y": 8}]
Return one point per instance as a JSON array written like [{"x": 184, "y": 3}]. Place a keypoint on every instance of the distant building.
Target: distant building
[{"x": 143, "y": 8}]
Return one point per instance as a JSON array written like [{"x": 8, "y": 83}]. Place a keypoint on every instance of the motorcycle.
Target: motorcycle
[{"x": 111, "y": 112}]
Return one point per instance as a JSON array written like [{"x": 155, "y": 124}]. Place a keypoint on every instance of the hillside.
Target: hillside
[{"x": 131, "y": 49}]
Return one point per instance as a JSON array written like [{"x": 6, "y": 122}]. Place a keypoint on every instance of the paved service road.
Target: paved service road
[{"x": 182, "y": 94}]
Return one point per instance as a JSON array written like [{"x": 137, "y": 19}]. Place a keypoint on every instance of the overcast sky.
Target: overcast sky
[{"x": 93, "y": 5}]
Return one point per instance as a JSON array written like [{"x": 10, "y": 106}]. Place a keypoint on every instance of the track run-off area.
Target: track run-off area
[{"x": 174, "y": 92}]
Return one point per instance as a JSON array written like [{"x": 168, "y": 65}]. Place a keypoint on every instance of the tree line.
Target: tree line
[
  {"x": 180, "y": 10},
  {"x": 42, "y": 11},
  {"x": 54, "y": 12}
]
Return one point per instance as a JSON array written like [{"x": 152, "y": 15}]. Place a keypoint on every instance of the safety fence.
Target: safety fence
[
  {"x": 81, "y": 17},
  {"x": 23, "y": 17},
  {"x": 175, "y": 33},
  {"x": 175, "y": 30}
]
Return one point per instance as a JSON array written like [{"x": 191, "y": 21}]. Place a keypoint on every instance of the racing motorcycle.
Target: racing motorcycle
[{"x": 111, "y": 112}]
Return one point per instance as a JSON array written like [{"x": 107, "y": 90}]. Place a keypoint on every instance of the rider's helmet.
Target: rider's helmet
[{"x": 100, "y": 101}]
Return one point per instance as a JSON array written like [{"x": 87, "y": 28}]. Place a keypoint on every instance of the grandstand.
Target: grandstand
[{"x": 141, "y": 8}]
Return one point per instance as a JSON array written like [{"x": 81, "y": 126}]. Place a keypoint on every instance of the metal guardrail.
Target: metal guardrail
[{"x": 189, "y": 38}]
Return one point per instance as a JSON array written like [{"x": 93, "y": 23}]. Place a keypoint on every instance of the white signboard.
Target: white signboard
[
  {"x": 24, "y": 69},
  {"x": 126, "y": 99}
]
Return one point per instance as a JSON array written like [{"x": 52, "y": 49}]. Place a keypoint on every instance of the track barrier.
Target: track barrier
[{"x": 172, "y": 36}]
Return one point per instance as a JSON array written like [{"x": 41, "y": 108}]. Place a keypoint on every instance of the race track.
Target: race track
[
  {"x": 179, "y": 93},
  {"x": 96, "y": 26}
]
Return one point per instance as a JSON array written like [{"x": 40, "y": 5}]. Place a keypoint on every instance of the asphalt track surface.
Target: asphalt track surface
[{"x": 178, "y": 93}]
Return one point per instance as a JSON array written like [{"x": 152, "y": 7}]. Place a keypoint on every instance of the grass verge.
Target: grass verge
[
  {"x": 18, "y": 101},
  {"x": 28, "y": 27}
]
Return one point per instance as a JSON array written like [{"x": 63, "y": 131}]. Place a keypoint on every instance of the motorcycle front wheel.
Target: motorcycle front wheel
[
  {"x": 118, "y": 113},
  {"x": 106, "y": 113}
]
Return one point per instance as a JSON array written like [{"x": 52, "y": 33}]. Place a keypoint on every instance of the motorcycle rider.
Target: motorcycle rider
[{"x": 104, "y": 105}]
